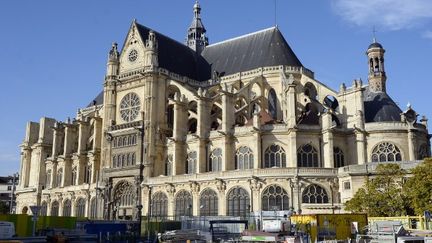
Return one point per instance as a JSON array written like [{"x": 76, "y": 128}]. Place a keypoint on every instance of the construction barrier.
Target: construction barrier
[
  {"x": 330, "y": 226},
  {"x": 24, "y": 223},
  {"x": 408, "y": 222}
]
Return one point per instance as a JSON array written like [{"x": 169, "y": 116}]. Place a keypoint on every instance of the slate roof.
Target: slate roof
[
  {"x": 264, "y": 48},
  {"x": 379, "y": 107},
  {"x": 98, "y": 100},
  {"x": 177, "y": 57},
  {"x": 260, "y": 49},
  {"x": 375, "y": 45}
]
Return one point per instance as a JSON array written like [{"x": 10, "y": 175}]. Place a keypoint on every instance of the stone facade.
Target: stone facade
[{"x": 260, "y": 139}]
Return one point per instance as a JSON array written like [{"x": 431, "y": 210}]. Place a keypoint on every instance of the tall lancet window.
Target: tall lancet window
[{"x": 272, "y": 104}]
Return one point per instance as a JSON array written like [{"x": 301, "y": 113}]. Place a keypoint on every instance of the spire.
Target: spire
[{"x": 196, "y": 38}]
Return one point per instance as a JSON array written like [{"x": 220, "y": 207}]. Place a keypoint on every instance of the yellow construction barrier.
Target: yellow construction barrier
[
  {"x": 329, "y": 226},
  {"x": 409, "y": 222}
]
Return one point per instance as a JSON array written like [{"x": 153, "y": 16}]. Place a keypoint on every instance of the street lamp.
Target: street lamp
[{"x": 11, "y": 206}]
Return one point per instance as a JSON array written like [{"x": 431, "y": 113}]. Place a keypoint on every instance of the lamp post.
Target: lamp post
[
  {"x": 11, "y": 206},
  {"x": 140, "y": 177}
]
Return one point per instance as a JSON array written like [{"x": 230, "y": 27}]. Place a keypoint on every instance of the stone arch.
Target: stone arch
[
  {"x": 386, "y": 152},
  {"x": 315, "y": 193},
  {"x": 209, "y": 202},
  {"x": 331, "y": 102},
  {"x": 215, "y": 117},
  {"x": 238, "y": 202},
  {"x": 24, "y": 210},
  {"x": 159, "y": 205},
  {"x": 310, "y": 91},
  {"x": 274, "y": 198}
]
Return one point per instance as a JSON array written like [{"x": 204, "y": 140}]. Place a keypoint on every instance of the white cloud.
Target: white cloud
[
  {"x": 427, "y": 34},
  {"x": 387, "y": 14}
]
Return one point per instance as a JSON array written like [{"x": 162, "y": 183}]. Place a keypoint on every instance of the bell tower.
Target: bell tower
[
  {"x": 377, "y": 76},
  {"x": 196, "y": 38}
]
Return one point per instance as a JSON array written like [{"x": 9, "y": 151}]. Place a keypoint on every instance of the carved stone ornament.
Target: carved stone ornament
[
  {"x": 170, "y": 188},
  {"x": 194, "y": 186},
  {"x": 255, "y": 184},
  {"x": 220, "y": 185}
]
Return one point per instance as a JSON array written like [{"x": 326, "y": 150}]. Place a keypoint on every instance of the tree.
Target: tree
[
  {"x": 419, "y": 187},
  {"x": 4, "y": 208},
  {"x": 381, "y": 195}
]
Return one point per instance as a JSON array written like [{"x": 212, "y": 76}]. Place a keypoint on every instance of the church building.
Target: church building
[{"x": 216, "y": 129}]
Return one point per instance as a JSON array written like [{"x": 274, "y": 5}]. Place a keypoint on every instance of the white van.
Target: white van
[{"x": 7, "y": 230}]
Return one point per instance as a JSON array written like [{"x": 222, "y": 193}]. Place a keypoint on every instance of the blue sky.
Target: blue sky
[{"x": 54, "y": 52}]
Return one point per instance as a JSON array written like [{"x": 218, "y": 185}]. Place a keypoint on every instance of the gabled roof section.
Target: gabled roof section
[
  {"x": 380, "y": 107},
  {"x": 178, "y": 58},
  {"x": 264, "y": 48},
  {"x": 98, "y": 100}
]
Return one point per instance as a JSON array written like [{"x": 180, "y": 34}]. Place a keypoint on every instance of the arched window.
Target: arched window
[
  {"x": 87, "y": 174},
  {"x": 54, "y": 208},
  {"x": 129, "y": 159},
  {"x": 124, "y": 194},
  {"x": 338, "y": 157},
  {"x": 423, "y": 152},
  {"x": 159, "y": 205},
  {"x": 191, "y": 162},
  {"x": 183, "y": 204},
  {"x": 274, "y": 198},
  {"x": 133, "y": 139},
  {"x": 169, "y": 165},
  {"x": 272, "y": 104},
  {"x": 93, "y": 208},
  {"x": 274, "y": 157},
  {"x": 74, "y": 176},
  {"x": 386, "y": 152},
  {"x": 80, "y": 208},
  {"x": 314, "y": 194},
  {"x": 43, "y": 209},
  {"x": 244, "y": 158},
  {"x": 307, "y": 156},
  {"x": 48, "y": 179},
  {"x": 238, "y": 202},
  {"x": 67, "y": 208},
  {"x": 59, "y": 177},
  {"x": 209, "y": 203},
  {"x": 133, "y": 159},
  {"x": 215, "y": 161},
  {"x": 114, "y": 161}
]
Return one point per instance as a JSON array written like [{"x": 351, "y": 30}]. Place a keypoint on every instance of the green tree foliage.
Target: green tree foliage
[
  {"x": 4, "y": 208},
  {"x": 382, "y": 194},
  {"x": 419, "y": 187}
]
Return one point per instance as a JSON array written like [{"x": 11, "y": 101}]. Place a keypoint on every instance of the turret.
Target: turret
[
  {"x": 197, "y": 39},
  {"x": 113, "y": 62},
  {"x": 377, "y": 76},
  {"x": 151, "y": 51}
]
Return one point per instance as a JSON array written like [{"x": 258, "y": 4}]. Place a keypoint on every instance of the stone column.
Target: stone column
[
  {"x": 221, "y": 187},
  {"x": 411, "y": 145},
  {"x": 170, "y": 189},
  {"x": 25, "y": 166},
  {"x": 203, "y": 128},
  {"x": 179, "y": 134},
  {"x": 227, "y": 130},
  {"x": 292, "y": 150},
  {"x": 327, "y": 133},
  {"x": 255, "y": 188},
  {"x": 195, "y": 189},
  {"x": 360, "y": 138}
]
